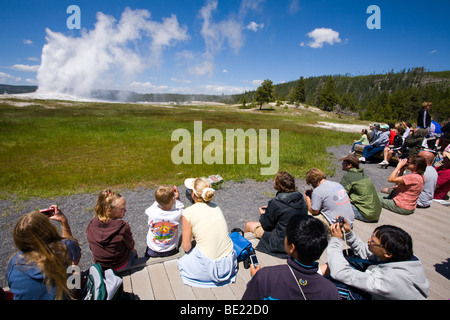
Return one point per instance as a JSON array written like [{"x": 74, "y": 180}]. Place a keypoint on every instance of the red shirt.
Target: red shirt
[
  {"x": 443, "y": 183},
  {"x": 392, "y": 135}
]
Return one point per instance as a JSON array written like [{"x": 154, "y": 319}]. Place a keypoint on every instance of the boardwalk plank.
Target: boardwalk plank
[
  {"x": 162, "y": 289},
  {"x": 240, "y": 285},
  {"x": 142, "y": 287},
  {"x": 180, "y": 290},
  {"x": 204, "y": 293},
  {"x": 224, "y": 293}
]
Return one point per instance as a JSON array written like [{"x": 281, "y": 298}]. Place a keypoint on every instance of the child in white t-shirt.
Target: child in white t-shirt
[{"x": 164, "y": 217}]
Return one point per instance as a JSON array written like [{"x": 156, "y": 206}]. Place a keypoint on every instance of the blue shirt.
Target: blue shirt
[{"x": 26, "y": 280}]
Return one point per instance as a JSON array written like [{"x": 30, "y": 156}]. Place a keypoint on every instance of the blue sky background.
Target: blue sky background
[{"x": 215, "y": 46}]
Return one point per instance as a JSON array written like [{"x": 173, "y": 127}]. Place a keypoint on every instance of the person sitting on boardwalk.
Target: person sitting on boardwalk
[
  {"x": 363, "y": 195},
  {"x": 164, "y": 218},
  {"x": 110, "y": 238},
  {"x": 212, "y": 261},
  {"x": 306, "y": 239},
  {"x": 398, "y": 146},
  {"x": 391, "y": 271},
  {"x": 402, "y": 198},
  {"x": 431, "y": 176},
  {"x": 443, "y": 181},
  {"x": 271, "y": 228},
  {"x": 328, "y": 199},
  {"x": 414, "y": 141},
  {"x": 364, "y": 140},
  {"x": 377, "y": 145},
  {"x": 39, "y": 270}
]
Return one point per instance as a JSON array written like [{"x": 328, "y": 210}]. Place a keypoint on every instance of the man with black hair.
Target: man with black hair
[
  {"x": 306, "y": 239},
  {"x": 394, "y": 272}
]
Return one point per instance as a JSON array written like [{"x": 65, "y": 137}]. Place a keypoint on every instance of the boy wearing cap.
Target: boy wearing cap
[
  {"x": 377, "y": 145},
  {"x": 363, "y": 195},
  {"x": 443, "y": 181}
]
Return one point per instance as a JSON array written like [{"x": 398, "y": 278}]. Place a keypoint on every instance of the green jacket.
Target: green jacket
[
  {"x": 362, "y": 193},
  {"x": 414, "y": 141}
]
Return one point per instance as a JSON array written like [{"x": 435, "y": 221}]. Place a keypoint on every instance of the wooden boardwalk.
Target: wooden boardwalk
[{"x": 159, "y": 279}]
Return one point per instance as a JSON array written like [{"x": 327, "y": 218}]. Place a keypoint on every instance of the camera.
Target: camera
[
  {"x": 48, "y": 212},
  {"x": 339, "y": 220},
  {"x": 254, "y": 260}
]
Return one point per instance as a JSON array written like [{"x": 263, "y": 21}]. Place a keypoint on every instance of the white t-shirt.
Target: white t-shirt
[
  {"x": 163, "y": 233},
  {"x": 209, "y": 229}
]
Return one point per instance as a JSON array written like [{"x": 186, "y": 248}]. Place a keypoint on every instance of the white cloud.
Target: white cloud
[
  {"x": 225, "y": 71},
  {"x": 257, "y": 82},
  {"x": 33, "y": 59},
  {"x": 113, "y": 51},
  {"x": 255, "y": 26},
  {"x": 219, "y": 35},
  {"x": 31, "y": 81},
  {"x": 146, "y": 86},
  {"x": 180, "y": 80},
  {"x": 216, "y": 33},
  {"x": 5, "y": 77},
  {"x": 220, "y": 89},
  {"x": 202, "y": 68},
  {"x": 27, "y": 42},
  {"x": 320, "y": 36},
  {"x": 432, "y": 52},
  {"x": 27, "y": 68}
]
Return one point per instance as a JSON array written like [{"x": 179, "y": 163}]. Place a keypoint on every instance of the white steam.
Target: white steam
[{"x": 112, "y": 52}]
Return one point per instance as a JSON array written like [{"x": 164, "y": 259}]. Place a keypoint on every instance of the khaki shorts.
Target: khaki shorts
[{"x": 258, "y": 232}]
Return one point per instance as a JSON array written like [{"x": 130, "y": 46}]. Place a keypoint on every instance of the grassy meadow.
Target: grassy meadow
[{"x": 51, "y": 148}]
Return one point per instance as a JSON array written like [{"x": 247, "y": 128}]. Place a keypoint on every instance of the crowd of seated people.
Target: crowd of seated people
[{"x": 293, "y": 226}]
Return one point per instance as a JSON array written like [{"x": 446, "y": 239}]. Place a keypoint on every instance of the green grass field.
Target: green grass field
[{"x": 52, "y": 148}]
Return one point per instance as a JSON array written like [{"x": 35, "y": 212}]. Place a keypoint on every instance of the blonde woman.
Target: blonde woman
[
  {"x": 110, "y": 238},
  {"x": 212, "y": 262},
  {"x": 39, "y": 270}
]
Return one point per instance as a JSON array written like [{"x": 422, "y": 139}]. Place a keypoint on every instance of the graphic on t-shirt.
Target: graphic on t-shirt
[
  {"x": 163, "y": 231},
  {"x": 341, "y": 197}
]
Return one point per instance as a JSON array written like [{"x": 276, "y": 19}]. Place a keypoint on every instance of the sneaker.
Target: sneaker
[
  {"x": 362, "y": 159},
  {"x": 383, "y": 163}
]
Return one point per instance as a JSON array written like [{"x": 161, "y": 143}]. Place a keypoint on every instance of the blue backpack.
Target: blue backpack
[{"x": 242, "y": 246}]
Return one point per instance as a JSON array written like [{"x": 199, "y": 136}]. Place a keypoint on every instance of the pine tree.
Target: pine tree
[
  {"x": 264, "y": 93},
  {"x": 328, "y": 98},
  {"x": 299, "y": 91}
]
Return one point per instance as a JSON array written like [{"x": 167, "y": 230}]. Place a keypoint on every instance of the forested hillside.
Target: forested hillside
[{"x": 379, "y": 97}]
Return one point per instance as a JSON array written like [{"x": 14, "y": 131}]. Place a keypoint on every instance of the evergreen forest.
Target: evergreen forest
[{"x": 379, "y": 97}]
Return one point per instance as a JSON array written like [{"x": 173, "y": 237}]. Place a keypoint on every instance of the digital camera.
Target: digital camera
[{"x": 48, "y": 212}]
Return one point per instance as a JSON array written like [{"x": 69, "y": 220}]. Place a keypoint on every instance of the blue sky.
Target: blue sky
[{"x": 214, "y": 46}]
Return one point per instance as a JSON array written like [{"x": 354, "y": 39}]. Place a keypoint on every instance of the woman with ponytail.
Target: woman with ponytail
[
  {"x": 212, "y": 261},
  {"x": 39, "y": 270}
]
